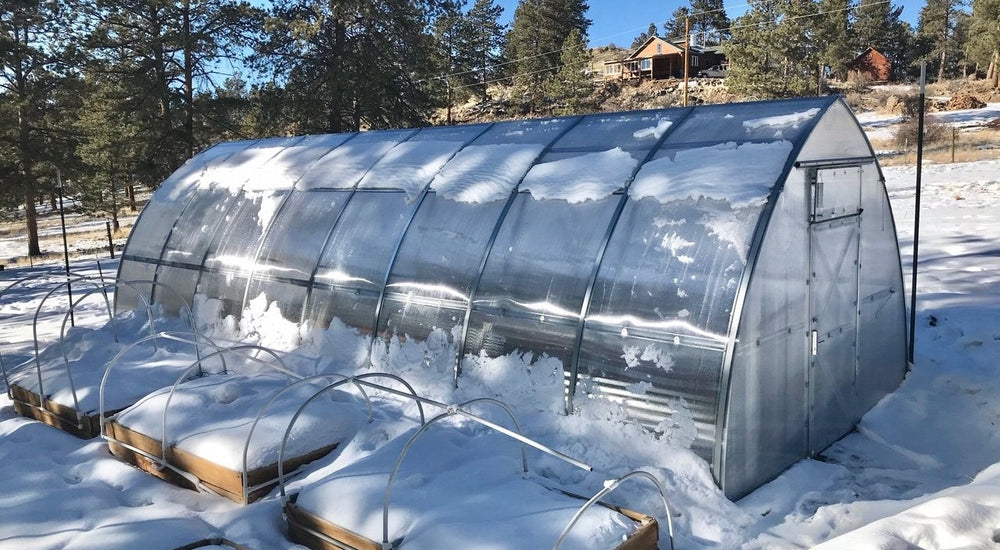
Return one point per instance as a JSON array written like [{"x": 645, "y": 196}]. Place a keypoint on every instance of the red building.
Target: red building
[{"x": 871, "y": 62}]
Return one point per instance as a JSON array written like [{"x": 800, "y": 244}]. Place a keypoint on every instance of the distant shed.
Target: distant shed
[
  {"x": 737, "y": 263},
  {"x": 873, "y": 64}
]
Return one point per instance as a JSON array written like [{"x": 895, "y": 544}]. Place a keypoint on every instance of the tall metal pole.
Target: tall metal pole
[
  {"x": 62, "y": 220},
  {"x": 687, "y": 53},
  {"x": 916, "y": 211}
]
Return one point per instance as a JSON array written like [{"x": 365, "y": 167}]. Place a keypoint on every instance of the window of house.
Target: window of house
[
  {"x": 694, "y": 60},
  {"x": 659, "y": 49},
  {"x": 646, "y": 64}
]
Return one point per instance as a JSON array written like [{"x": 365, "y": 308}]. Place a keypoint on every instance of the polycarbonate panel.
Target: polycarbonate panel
[
  {"x": 537, "y": 131},
  {"x": 288, "y": 166},
  {"x": 191, "y": 175},
  {"x": 231, "y": 256},
  {"x": 657, "y": 380},
  {"x": 147, "y": 238},
  {"x": 882, "y": 350},
  {"x": 739, "y": 122},
  {"x": 673, "y": 269},
  {"x": 437, "y": 265},
  {"x": 837, "y": 135},
  {"x": 344, "y": 166},
  {"x": 184, "y": 282},
  {"x": 198, "y": 225},
  {"x": 292, "y": 247},
  {"x": 353, "y": 266},
  {"x": 766, "y": 417},
  {"x": 535, "y": 279},
  {"x": 411, "y": 165},
  {"x": 633, "y": 132},
  {"x": 245, "y": 168},
  {"x": 598, "y": 155},
  {"x": 490, "y": 167},
  {"x": 130, "y": 270},
  {"x": 739, "y": 174}
]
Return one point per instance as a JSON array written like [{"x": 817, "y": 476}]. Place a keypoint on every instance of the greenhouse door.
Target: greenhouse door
[{"x": 834, "y": 239}]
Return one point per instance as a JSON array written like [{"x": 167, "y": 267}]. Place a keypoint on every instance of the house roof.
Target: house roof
[{"x": 679, "y": 48}]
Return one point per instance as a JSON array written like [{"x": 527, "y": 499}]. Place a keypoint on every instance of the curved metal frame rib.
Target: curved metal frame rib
[
  {"x": 336, "y": 224},
  {"x": 172, "y": 335},
  {"x": 399, "y": 243},
  {"x": 114, "y": 332},
  {"x": 197, "y": 364},
  {"x": 609, "y": 487},
  {"x": 23, "y": 280},
  {"x": 489, "y": 247},
  {"x": 406, "y": 448},
  {"x": 34, "y": 322},
  {"x": 359, "y": 383},
  {"x": 574, "y": 371}
]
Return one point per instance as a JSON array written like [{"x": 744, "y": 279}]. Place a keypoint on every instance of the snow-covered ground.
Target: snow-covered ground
[
  {"x": 881, "y": 126},
  {"x": 922, "y": 470}
]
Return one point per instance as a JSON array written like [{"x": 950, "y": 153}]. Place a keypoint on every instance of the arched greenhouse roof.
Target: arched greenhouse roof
[{"x": 620, "y": 243}]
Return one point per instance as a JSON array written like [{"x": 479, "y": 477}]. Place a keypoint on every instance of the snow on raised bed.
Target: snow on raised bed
[
  {"x": 458, "y": 487},
  {"x": 210, "y": 417}
]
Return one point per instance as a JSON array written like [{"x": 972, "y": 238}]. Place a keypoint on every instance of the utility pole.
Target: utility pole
[{"x": 687, "y": 56}]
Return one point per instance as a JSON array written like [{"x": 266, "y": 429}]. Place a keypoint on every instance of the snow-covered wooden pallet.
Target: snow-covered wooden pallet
[
  {"x": 193, "y": 472},
  {"x": 28, "y": 404},
  {"x": 220, "y": 433},
  {"x": 317, "y": 533}
]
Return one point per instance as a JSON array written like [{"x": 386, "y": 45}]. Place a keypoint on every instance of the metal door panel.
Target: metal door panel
[{"x": 833, "y": 329}]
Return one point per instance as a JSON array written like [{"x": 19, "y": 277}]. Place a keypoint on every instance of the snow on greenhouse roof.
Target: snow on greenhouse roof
[
  {"x": 742, "y": 174},
  {"x": 581, "y": 178}
]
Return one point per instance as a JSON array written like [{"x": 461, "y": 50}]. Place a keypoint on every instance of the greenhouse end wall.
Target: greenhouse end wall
[
  {"x": 774, "y": 415},
  {"x": 630, "y": 246}
]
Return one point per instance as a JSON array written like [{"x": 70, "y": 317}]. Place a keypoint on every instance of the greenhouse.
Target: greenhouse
[{"x": 736, "y": 264}]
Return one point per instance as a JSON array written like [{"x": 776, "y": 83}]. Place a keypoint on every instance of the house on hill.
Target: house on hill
[
  {"x": 873, "y": 64},
  {"x": 657, "y": 58}
]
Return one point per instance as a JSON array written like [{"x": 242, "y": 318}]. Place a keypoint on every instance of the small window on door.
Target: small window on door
[{"x": 836, "y": 193}]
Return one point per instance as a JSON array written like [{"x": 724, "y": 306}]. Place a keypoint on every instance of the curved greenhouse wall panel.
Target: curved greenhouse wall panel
[{"x": 734, "y": 266}]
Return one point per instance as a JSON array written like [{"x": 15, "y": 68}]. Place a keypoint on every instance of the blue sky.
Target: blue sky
[{"x": 619, "y": 21}]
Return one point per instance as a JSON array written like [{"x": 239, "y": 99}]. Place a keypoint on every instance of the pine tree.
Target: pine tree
[
  {"x": 709, "y": 22},
  {"x": 571, "y": 85},
  {"x": 833, "y": 36},
  {"x": 773, "y": 51},
  {"x": 37, "y": 54},
  {"x": 352, "y": 65},
  {"x": 643, "y": 36},
  {"x": 456, "y": 66},
  {"x": 983, "y": 47},
  {"x": 674, "y": 28},
  {"x": 110, "y": 142},
  {"x": 483, "y": 43},
  {"x": 936, "y": 32},
  {"x": 536, "y": 37}
]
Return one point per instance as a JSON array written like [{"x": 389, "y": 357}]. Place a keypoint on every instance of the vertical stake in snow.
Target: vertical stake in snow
[
  {"x": 916, "y": 210},
  {"x": 687, "y": 56},
  {"x": 62, "y": 220}
]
